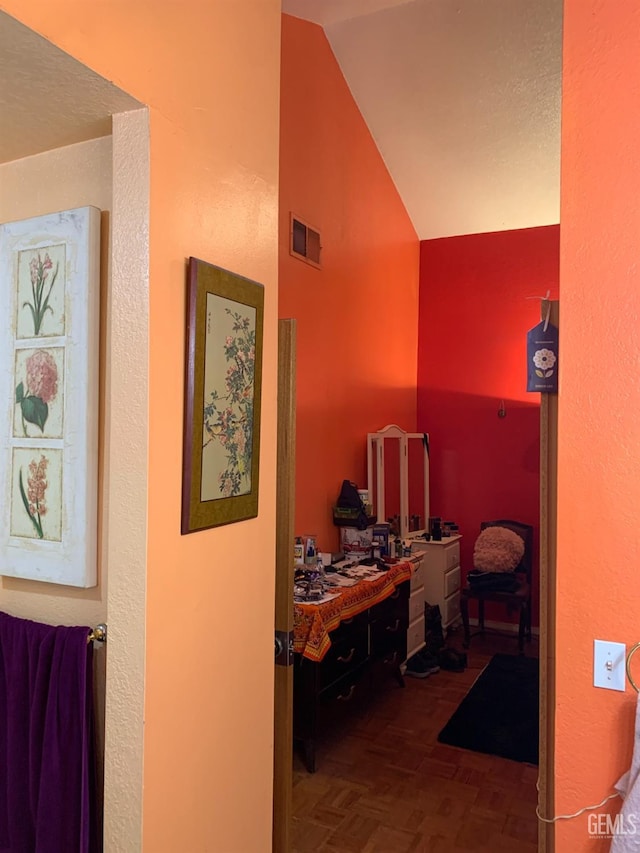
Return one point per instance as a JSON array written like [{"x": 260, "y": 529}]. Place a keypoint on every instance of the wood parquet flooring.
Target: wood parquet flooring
[{"x": 385, "y": 785}]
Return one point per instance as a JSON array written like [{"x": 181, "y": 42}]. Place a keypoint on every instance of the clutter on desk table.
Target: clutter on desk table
[
  {"x": 314, "y": 585},
  {"x": 309, "y": 582},
  {"x": 302, "y": 595}
]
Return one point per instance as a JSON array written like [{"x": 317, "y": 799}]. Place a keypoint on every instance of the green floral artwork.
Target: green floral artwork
[{"x": 228, "y": 412}]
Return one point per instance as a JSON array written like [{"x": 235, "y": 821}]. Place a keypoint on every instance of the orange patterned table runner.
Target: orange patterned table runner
[{"x": 313, "y": 622}]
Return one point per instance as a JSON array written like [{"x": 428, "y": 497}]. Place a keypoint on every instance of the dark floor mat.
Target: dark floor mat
[{"x": 499, "y": 715}]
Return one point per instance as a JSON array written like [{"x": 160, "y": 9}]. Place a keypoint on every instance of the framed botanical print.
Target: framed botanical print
[
  {"x": 49, "y": 348},
  {"x": 222, "y": 397}
]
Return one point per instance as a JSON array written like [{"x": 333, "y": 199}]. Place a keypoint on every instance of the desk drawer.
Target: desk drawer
[
  {"x": 344, "y": 689},
  {"x": 415, "y": 637},
  {"x": 345, "y": 654},
  {"x": 417, "y": 578},
  {"x": 395, "y": 605},
  {"x": 416, "y": 604},
  {"x": 349, "y": 627},
  {"x": 452, "y": 555},
  {"x": 451, "y": 609},
  {"x": 452, "y": 581},
  {"x": 389, "y": 635}
]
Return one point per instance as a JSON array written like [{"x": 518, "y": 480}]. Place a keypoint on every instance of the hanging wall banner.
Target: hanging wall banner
[{"x": 542, "y": 358}]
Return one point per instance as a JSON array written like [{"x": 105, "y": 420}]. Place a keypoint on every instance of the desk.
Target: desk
[
  {"x": 336, "y": 643},
  {"x": 312, "y": 623}
]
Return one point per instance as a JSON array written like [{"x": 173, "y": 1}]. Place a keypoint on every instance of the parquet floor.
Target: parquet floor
[{"x": 385, "y": 785}]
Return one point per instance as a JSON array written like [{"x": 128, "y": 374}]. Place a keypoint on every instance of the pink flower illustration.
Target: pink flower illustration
[
  {"x": 39, "y": 273},
  {"x": 41, "y": 389},
  {"x": 34, "y": 497},
  {"x": 37, "y": 485},
  {"x": 42, "y": 376}
]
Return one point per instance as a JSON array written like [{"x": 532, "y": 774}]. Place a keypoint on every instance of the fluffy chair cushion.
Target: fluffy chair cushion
[{"x": 497, "y": 549}]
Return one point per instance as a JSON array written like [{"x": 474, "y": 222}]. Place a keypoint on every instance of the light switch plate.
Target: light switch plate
[{"x": 609, "y": 665}]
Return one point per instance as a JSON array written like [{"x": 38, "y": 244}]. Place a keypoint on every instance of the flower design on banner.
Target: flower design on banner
[
  {"x": 544, "y": 361},
  {"x": 39, "y": 270},
  {"x": 34, "y": 498},
  {"x": 228, "y": 417},
  {"x": 42, "y": 387}
]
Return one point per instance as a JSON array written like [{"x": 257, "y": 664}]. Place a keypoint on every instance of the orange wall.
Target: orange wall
[
  {"x": 599, "y": 426},
  {"x": 358, "y": 315},
  {"x": 214, "y": 173}
]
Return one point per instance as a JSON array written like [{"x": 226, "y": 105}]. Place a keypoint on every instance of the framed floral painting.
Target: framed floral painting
[
  {"x": 222, "y": 398},
  {"x": 49, "y": 313}
]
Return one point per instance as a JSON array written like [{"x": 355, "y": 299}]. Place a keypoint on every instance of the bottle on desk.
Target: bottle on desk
[
  {"x": 310, "y": 552},
  {"x": 398, "y": 547}
]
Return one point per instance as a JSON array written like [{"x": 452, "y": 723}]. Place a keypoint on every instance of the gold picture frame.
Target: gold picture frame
[{"x": 223, "y": 383}]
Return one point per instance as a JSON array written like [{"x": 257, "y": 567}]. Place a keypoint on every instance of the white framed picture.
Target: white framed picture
[{"x": 49, "y": 350}]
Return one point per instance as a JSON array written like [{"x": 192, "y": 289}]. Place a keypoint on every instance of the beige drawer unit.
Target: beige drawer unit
[
  {"x": 415, "y": 637},
  {"x": 441, "y": 575},
  {"x": 415, "y": 631},
  {"x": 451, "y": 609},
  {"x": 451, "y": 581}
]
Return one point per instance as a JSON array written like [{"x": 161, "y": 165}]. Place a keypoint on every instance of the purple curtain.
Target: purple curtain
[{"x": 47, "y": 802}]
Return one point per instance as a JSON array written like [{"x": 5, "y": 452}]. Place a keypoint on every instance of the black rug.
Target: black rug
[{"x": 499, "y": 715}]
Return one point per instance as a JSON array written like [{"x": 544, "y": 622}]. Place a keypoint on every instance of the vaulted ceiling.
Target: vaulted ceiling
[
  {"x": 47, "y": 98},
  {"x": 461, "y": 96},
  {"x": 463, "y": 100}
]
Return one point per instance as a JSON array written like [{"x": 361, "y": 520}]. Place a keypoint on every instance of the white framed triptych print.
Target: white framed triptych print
[{"x": 49, "y": 353}]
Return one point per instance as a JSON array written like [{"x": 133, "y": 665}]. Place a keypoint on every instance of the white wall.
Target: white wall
[
  {"x": 74, "y": 176},
  {"x": 62, "y": 179},
  {"x": 112, "y": 174}
]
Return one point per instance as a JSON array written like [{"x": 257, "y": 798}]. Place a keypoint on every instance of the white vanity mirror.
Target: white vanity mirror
[
  {"x": 398, "y": 478},
  {"x": 417, "y": 482}
]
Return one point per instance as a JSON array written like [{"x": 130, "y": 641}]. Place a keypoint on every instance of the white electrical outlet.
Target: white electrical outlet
[{"x": 609, "y": 665}]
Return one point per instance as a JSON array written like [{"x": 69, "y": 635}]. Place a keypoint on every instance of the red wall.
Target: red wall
[
  {"x": 474, "y": 315},
  {"x": 358, "y": 315}
]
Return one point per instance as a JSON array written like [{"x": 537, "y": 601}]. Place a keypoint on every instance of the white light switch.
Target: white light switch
[{"x": 609, "y": 664}]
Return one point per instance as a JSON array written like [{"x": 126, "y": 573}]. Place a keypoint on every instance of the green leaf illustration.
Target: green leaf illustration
[
  {"x": 35, "y": 411},
  {"x": 23, "y": 495},
  {"x": 540, "y": 374},
  {"x": 35, "y": 521},
  {"x": 20, "y": 393}
]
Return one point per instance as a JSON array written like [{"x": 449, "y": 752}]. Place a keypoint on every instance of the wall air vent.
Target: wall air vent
[{"x": 304, "y": 242}]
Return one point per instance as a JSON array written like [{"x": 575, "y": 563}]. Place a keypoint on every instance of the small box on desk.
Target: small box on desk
[{"x": 381, "y": 537}]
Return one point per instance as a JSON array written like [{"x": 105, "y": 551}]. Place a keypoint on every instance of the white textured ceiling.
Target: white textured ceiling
[
  {"x": 47, "y": 98},
  {"x": 461, "y": 96},
  {"x": 463, "y": 100}
]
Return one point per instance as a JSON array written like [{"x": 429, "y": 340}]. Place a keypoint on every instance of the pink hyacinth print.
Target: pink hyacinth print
[
  {"x": 41, "y": 389},
  {"x": 42, "y": 281},
  {"x": 34, "y": 497}
]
